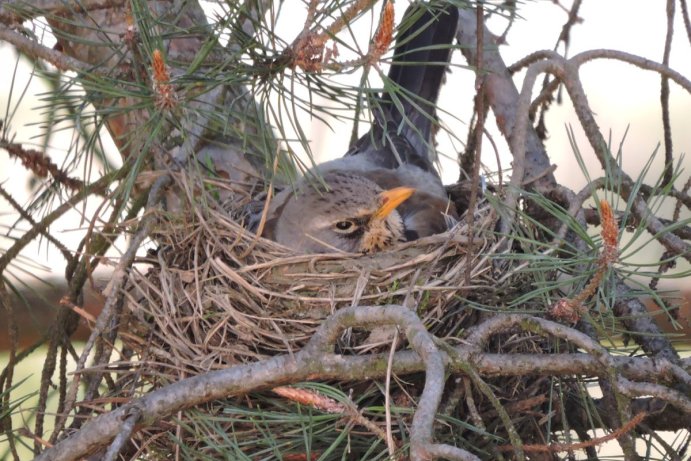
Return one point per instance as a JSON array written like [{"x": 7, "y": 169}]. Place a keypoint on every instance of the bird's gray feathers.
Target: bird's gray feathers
[
  {"x": 387, "y": 177},
  {"x": 305, "y": 219}
]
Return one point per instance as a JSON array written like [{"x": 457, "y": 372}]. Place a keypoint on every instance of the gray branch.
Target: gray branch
[{"x": 317, "y": 359}]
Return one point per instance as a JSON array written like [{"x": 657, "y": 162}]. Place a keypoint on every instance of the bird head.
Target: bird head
[{"x": 351, "y": 213}]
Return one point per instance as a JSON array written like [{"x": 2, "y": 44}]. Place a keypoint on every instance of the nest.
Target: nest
[{"x": 214, "y": 295}]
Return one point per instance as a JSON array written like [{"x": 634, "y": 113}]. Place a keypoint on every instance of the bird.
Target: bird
[{"x": 385, "y": 188}]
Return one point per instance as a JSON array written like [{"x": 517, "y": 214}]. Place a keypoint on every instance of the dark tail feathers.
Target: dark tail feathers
[
  {"x": 407, "y": 108},
  {"x": 420, "y": 61}
]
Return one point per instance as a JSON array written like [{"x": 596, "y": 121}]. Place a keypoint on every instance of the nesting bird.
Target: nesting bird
[{"x": 385, "y": 189}]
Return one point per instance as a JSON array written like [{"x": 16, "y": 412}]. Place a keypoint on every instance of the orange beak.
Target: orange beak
[{"x": 391, "y": 199}]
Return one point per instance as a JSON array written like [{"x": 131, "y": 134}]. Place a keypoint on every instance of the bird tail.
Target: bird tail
[{"x": 421, "y": 59}]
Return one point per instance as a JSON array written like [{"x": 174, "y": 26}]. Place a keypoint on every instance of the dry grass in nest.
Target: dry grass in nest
[{"x": 214, "y": 295}]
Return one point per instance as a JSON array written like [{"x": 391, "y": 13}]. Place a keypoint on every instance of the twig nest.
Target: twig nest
[{"x": 214, "y": 294}]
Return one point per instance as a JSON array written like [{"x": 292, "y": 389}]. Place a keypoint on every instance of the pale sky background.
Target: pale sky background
[{"x": 623, "y": 98}]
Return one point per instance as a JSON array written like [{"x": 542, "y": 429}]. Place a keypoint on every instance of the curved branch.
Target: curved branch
[
  {"x": 639, "y": 207},
  {"x": 567, "y": 72},
  {"x": 637, "y": 61},
  {"x": 590, "y": 55},
  {"x": 421, "y": 431}
]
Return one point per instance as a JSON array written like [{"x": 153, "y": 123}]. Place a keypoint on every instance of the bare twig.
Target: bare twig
[
  {"x": 502, "y": 97},
  {"x": 687, "y": 21},
  {"x": 559, "y": 447},
  {"x": 16, "y": 11},
  {"x": 622, "y": 56},
  {"x": 664, "y": 99},
  {"x": 56, "y": 58},
  {"x": 565, "y": 34},
  {"x": 387, "y": 396},
  {"x": 479, "y": 127}
]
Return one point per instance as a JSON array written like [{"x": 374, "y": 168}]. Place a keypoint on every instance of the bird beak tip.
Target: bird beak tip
[{"x": 392, "y": 198}]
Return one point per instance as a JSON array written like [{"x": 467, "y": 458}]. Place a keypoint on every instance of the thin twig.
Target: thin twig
[
  {"x": 113, "y": 289},
  {"x": 123, "y": 436},
  {"x": 560, "y": 447},
  {"x": 668, "y": 174},
  {"x": 96, "y": 187},
  {"x": 479, "y": 130},
  {"x": 687, "y": 21},
  {"x": 13, "y": 334},
  {"x": 387, "y": 397},
  {"x": 66, "y": 253}
]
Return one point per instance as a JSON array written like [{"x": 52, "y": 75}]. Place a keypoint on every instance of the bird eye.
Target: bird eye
[{"x": 345, "y": 226}]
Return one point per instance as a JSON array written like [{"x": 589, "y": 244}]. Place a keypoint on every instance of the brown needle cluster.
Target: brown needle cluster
[
  {"x": 41, "y": 165},
  {"x": 384, "y": 34},
  {"x": 571, "y": 309},
  {"x": 310, "y": 53},
  {"x": 310, "y": 398},
  {"x": 165, "y": 97}
]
